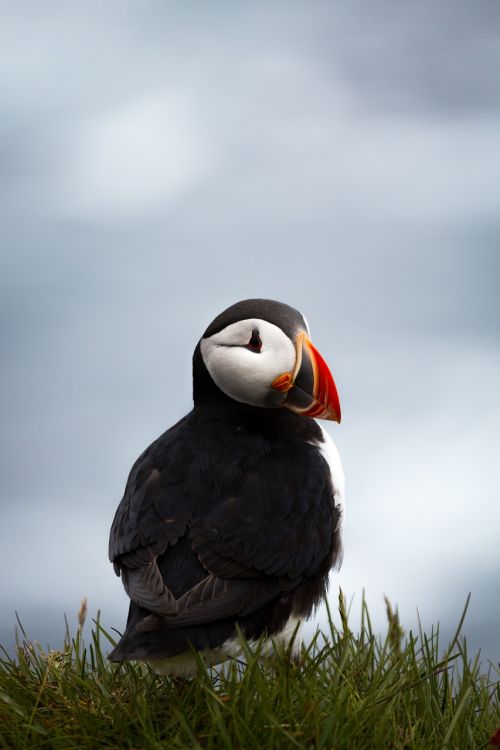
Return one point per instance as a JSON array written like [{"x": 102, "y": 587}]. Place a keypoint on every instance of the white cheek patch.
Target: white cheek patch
[{"x": 245, "y": 375}]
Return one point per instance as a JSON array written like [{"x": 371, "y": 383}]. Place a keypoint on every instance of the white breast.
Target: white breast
[{"x": 331, "y": 455}]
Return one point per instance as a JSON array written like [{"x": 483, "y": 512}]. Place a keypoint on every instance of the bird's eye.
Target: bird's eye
[{"x": 255, "y": 344}]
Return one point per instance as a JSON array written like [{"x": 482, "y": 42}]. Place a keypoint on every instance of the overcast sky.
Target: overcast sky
[{"x": 160, "y": 161}]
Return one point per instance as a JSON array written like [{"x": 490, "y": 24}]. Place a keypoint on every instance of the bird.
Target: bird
[{"x": 231, "y": 520}]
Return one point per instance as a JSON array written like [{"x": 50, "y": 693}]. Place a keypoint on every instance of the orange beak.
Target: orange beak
[{"x": 311, "y": 388}]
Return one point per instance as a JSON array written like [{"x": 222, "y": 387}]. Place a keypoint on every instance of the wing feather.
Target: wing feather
[
  {"x": 141, "y": 532},
  {"x": 217, "y": 599},
  {"x": 145, "y": 586},
  {"x": 258, "y": 529}
]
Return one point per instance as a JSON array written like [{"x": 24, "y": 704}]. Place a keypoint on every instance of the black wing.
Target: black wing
[
  {"x": 149, "y": 519},
  {"x": 259, "y": 535},
  {"x": 275, "y": 532}
]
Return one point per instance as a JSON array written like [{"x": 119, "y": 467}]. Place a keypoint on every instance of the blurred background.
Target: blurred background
[{"x": 162, "y": 160}]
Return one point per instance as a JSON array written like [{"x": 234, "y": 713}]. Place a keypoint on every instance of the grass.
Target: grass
[{"x": 349, "y": 692}]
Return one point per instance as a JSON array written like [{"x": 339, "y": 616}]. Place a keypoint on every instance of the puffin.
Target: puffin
[{"x": 231, "y": 520}]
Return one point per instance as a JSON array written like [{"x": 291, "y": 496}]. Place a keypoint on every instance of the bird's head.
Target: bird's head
[{"x": 258, "y": 352}]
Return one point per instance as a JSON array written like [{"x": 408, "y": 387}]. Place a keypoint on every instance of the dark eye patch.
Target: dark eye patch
[{"x": 255, "y": 343}]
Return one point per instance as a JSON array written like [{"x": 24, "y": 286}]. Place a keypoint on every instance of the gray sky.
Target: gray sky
[{"x": 159, "y": 161}]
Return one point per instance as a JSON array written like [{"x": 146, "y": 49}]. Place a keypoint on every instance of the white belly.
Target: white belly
[{"x": 186, "y": 664}]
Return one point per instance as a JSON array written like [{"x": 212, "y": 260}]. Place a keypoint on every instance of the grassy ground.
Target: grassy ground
[{"x": 349, "y": 692}]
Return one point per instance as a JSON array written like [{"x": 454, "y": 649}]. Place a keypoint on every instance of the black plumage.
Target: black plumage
[{"x": 228, "y": 519}]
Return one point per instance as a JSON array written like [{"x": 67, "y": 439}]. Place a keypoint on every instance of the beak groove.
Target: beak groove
[{"x": 311, "y": 388}]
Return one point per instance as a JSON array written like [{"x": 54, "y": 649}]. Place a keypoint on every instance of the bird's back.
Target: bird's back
[{"x": 251, "y": 498}]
